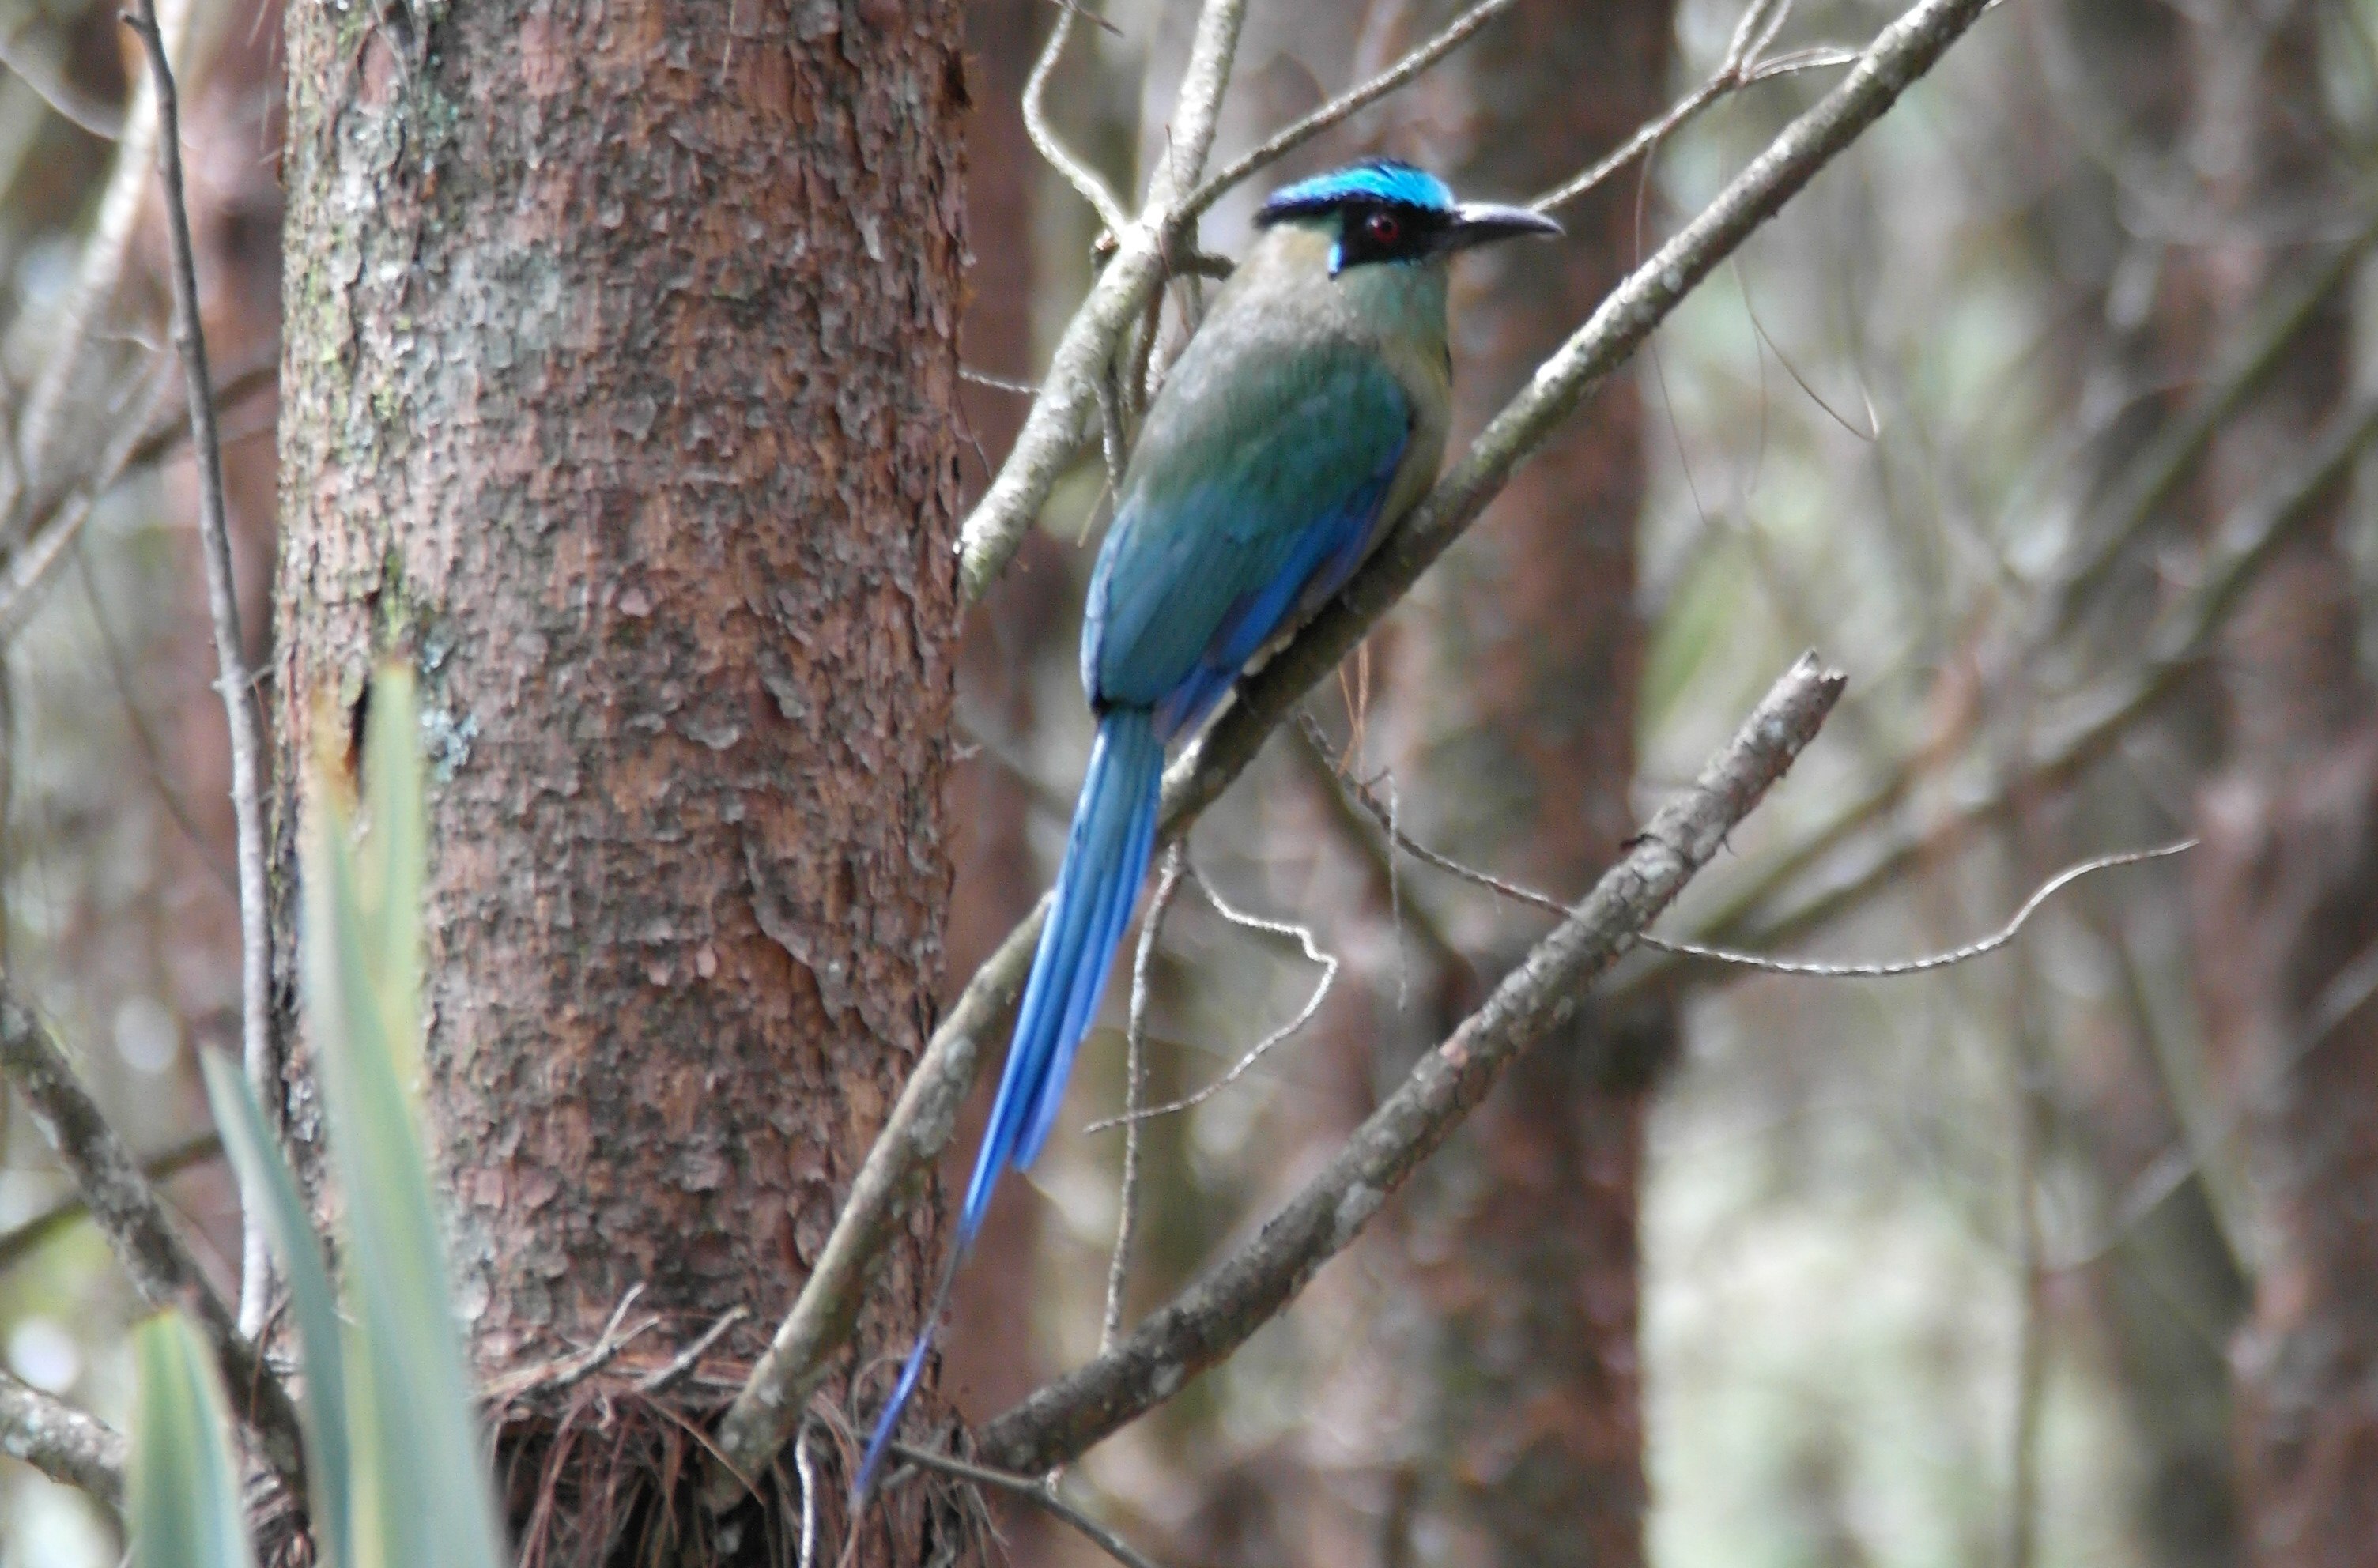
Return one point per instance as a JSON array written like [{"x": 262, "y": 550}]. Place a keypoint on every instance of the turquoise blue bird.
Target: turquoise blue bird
[{"x": 1305, "y": 416}]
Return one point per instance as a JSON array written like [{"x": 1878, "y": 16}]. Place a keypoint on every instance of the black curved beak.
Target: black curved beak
[{"x": 1479, "y": 222}]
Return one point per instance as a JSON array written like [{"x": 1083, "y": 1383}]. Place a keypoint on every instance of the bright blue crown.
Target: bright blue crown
[{"x": 1376, "y": 179}]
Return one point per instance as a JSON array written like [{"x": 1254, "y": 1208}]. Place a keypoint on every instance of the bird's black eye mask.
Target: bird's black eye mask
[{"x": 1386, "y": 230}]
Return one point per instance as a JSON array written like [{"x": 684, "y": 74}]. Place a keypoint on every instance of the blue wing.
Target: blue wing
[{"x": 1233, "y": 525}]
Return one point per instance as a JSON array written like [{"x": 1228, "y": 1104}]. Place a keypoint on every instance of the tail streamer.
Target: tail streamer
[{"x": 1106, "y": 860}]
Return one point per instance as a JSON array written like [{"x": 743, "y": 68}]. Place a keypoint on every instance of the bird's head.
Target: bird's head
[{"x": 1381, "y": 211}]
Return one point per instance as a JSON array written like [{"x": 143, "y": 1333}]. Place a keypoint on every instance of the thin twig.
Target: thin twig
[
  {"x": 21, "y": 1239},
  {"x": 573, "y": 1370},
  {"x": 1143, "y": 256},
  {"x": 231, "y": 661},
  {"x": 1037, "y": 1491},
  {"x": 1347, "y": 104},
  {"x": 1135, "y": 1089},
  {"x": 1742, "y": 69},
  {"x": 66, "y": 1445},
  {"x": 1352, "y": 822},
  {"x": 823, "y": 1316},
  {"x": 685, "y": 1361},
  {"x": 128, "y": 1212},
  {"x": 1882, "y": 969},
  {"x": 807, "y": 1470},
  {"x": 1078, "y": 175},
  {"x": 1895, "y": 969},
  {"x": 968, "y": 373},
  {"x": 1218, "y": 1313},
  {"x": 2175, "y": 645},
  {"x": 1313, "y": 953}
]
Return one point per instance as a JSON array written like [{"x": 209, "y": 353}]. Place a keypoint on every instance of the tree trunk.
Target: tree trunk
[
  {"x": 2168, "y": 1295},
  {"x": 2290, "y": 824},
  {"x": 619, "y": 395},
  {"x": 1515, "y": 695}
]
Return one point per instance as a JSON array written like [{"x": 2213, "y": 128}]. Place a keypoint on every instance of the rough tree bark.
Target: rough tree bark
[
  {"x": 1515, "y": 695},
  {"x": 2291, "y": 824},
  {"x": 619, "y": 394}
]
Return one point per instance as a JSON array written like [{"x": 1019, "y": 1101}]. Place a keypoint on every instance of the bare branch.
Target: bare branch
[
  {"x": 2175, "y": 645},
  {"x": 53, "y": 405},
  {"x": 1347, "y": 104},
  {"x": 20, "y": 1240},
  {"x": 1059, "y": 421},
  {"x": 571, "y": 1371},
  {"x": 1631, "y": 313},
  {"x": 1214, "y": 1316},
  {"x": 820, "y": 1319},
  {"x": 1039, "y": 1492},
  {"x": 1895, "y": 969},
  {"x": 1078, "y": 175},
  {"x": 1313, "y": 953},
  {"x": 64, "y": 1443},
  {"x": 806, "y": 1469},
  {"x": 1135, "y": 1089},
  {"x": 127, "y": 1210},
  {"x": 1877, "y": 970},
  {"x": 682, "y": 1364},
  {"x": 1742, "y": 67},
  {"x": 231, "y": 661}
]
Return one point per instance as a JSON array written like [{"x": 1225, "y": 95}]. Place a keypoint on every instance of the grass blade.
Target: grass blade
[
  {"x": 265, "y": 1180},
  {"x": 421, "y": 1493},
  {"x": 185, "y": 1504}
]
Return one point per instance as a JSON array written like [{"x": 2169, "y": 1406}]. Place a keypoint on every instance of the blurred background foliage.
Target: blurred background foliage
[{"x": 1941, "y": 1270}]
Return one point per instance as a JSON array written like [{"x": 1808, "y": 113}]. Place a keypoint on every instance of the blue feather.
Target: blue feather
[
  {"x": 1378, "y": 179},
  {"x": 1319, "y": 561},
  {"x": 1256, "y": 489},
  {"x": 1106, "y": 857}
]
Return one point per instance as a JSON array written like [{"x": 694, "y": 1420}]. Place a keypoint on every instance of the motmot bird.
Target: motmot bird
[{"x": 1306, "y": 414}]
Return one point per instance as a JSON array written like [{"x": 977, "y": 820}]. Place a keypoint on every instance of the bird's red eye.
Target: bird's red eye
[{"x": 1381, "y": 228}]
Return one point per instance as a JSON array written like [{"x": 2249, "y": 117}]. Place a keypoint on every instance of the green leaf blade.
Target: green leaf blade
[
  {"x": 185, "y": 1508},
  {"x": 267, "y": 1182},
  {"x": 421, "y": 1493}
]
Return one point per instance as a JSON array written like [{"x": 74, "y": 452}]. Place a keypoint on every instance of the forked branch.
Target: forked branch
[
  {"x": 1216, "y": 1314},
  {"x": 768, "y": 1405},
  {"x": 134, "y": 1221}
]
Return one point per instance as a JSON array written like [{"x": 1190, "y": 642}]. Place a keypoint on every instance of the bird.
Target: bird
[{"x": 1306, "y": 414}]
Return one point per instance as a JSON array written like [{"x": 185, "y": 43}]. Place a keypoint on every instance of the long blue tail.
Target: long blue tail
[{"x": 1106, "y": 859}]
